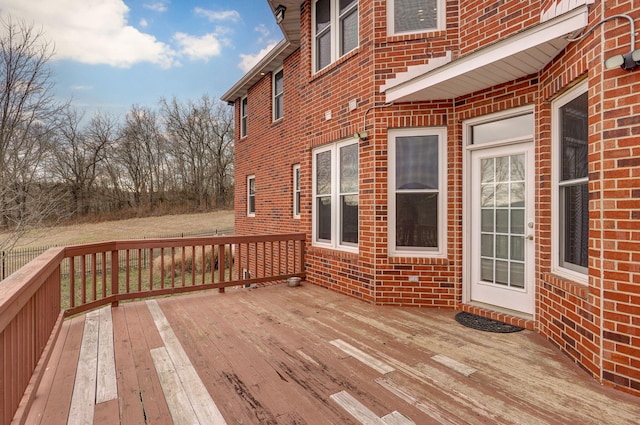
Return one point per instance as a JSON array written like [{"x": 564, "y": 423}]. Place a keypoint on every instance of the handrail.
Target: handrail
[{"x": 35, "y": 298}]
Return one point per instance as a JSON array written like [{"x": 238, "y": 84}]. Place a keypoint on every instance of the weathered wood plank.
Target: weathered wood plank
[
  {"x": 129, "y": 402},
  {"x": 360, "y": 355},
  {"x": 180, "y": 406},
  {"x": 356, "y": 409},
  {"x": 144, "y": 334},
  {"x": 84, "y": 389},
  {"x": 461, "y": 368},
  {"x": 204, "y": 406},
  {"x": 107, "y": 387}
]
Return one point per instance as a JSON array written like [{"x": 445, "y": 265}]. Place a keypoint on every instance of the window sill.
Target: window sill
[
  {"x": 333, "y": 252},
  {"x": 437, "y": 260},
  {"x": 422, "y": 36},
  {"x": 578, "y": 289}
]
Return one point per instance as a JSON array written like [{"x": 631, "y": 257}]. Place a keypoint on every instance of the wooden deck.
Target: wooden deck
[{"x": 305, "y": 355}]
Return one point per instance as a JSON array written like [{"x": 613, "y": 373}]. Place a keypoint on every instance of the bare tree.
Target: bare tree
[
  {"x": 27, "y": 112},
  {"x": 202, "y": 144},
  {"x": 143, "y": 154},
  {"x": 78, "y": 155}
]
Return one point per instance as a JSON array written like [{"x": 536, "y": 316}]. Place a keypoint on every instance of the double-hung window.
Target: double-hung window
[
  {"x": 571, "y": 184},
  {"x": 335, "y": 25},
  {"x": 243, "y": 116},
  {"x": 417, "y": 192},
  {"x": 413, "y": 16},
  {"x": 251, "y": 196},
  {"x": 296, "y": 191},
  {"x": 335, "y": 196},
  {"x": 278, "y": 94}
]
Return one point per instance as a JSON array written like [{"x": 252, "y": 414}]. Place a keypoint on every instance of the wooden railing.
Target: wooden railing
[{"x": 35, "y": 300}]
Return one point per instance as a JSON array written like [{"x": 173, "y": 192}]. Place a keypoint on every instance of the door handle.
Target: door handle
[{"x": 527, "y": 237}]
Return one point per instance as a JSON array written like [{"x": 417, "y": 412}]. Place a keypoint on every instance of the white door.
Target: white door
[{"x": 501, "y": 254}]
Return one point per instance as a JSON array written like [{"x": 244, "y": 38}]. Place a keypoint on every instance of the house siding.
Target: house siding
[{"x": 596, "y": 324}]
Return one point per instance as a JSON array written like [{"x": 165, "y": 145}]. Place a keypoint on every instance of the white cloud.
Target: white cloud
[
  {"x": 159, "y": 6},
  {"x": 225, "y": 15},
  {"x": 198, "y": 48},
  {"x": 96, "y": 32},
  {"x": 249, "y": 61},
  {"x": 81, "y": 88},
  {"x": 263, "y": 31},
  {"x": 143, "y": 23}
]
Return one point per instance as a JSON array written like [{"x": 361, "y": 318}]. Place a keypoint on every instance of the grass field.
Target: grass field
[{"x": 134, "y": 228}]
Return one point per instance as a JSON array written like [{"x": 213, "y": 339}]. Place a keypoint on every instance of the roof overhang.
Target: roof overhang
[
  {"x": 517, "y": 56},
  {"x": 290, "y": 27}
]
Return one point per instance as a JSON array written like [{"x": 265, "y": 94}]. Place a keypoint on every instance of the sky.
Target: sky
[{"x": 112, "y": 54}]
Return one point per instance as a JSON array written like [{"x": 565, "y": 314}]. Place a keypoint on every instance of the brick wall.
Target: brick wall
[{"x": 597, "y": 325}]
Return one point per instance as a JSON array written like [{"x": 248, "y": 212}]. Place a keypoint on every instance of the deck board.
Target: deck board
[{"x": 265, "y": 356}]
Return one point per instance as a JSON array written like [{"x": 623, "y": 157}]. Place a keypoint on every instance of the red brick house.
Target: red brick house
[{"x": 474, "y": 155}]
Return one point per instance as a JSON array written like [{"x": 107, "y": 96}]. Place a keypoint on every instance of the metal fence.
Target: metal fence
[{"x": 11, "y": 260}]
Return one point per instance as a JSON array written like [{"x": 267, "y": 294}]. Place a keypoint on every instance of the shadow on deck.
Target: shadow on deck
[{"x": 306, "y": 355}]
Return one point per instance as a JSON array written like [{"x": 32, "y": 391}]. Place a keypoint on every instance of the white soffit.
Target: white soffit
[{"x": 517, "y": 56}]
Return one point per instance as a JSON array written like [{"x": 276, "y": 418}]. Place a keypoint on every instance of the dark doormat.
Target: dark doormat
[{"x": 484, "y": 323}]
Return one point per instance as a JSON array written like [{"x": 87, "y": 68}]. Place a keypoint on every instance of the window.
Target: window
[
  {"x": 335, "y": 24},
  {"x": 296, "y": 191},
  {"x": 251, "y": 196},
  {"x": 413, "y": 16},
  {"x": 278, "y": 92},
  {"x": 335, "y": 196},
  {"x": 243, "y": 117},
  {"x": 571, "y": 184},
  {"x": 417, "y": 192}
]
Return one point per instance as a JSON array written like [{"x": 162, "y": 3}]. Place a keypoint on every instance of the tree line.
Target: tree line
[{"x": 56, "y": 163}]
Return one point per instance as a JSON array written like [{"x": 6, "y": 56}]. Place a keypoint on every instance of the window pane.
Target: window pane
[
  {"x": 574, "y": 130},
  {"x": 323, "y": 51},
  {"x": 344, "y": 4},
  {"x": 279, "y": 112},
  {"x": 575, "y": 200},
  {"x": 349, "y": 220},
  {"x": 417, "y": 162},
  {"x": 278, "y": 83},
  {"x": 323, "y": 14},
  {"x": 349, "y": 168},
  {"x": 252, "y": 204},
  {"x": 517, "y": 275},
  {"x": 323, "y": 173},
  {"x": 486, "y": 270},
  {"x": 349, "y": 32},
  {"x": 415, "y": 15},
  {"x": 324, "y": 218},
  {"x": 297, "y": 206},
  {"x": 417, "y": 220},
  {"x": 504, "y": 129}
]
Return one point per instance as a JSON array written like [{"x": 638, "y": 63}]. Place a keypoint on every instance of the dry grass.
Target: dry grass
[{"x": 128, "y": 229}]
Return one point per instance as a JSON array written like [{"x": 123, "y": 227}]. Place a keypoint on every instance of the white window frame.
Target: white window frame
[
  {"x": 296, "y": 191},
  {"x": 250, "y": 195},
  {"x": 244, "y": 116},
  {"x": 441, "y": 250},
  {"x": 336, "y": 226},
  {"x": 334, "y": 29},
  {"x": 441, "y": 19},
  {"x": 276, "y": 95},
  {"x": 556, "y": 217}
]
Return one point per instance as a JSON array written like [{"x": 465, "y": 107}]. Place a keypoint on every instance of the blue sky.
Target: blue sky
[{"x": 111, "y": 54}]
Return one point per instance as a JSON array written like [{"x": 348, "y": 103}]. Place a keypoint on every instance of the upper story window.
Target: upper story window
[
  {"x": 296, "y": 191},
  {"x": 251, "y": 196},
  {"x": 278, "y": 94},
  {"x": 243, "y": 116},
  {"x": 571, "y": 184},
  {"x": 335, "y": 24},
  {"x": 417, "y": 192},
  {"x": 335, "y": 196},
  {"x": 413, "y": 16}
]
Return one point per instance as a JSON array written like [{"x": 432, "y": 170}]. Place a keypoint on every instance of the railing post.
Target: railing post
[{"x": 115, "y": 274}]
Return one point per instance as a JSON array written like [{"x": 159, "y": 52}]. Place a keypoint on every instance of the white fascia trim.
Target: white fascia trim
[{"x": 540, "y": 34}]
